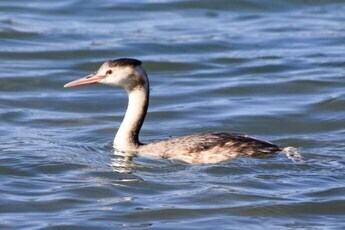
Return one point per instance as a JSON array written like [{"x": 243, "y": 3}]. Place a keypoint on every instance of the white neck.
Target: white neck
[{"x": 127, "y": 137}]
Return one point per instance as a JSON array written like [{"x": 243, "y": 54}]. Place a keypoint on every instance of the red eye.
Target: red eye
[{"x": 109, "y": 72}]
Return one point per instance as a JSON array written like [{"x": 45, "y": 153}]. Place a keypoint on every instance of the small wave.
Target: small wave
[{"x": 292, "y": 153}]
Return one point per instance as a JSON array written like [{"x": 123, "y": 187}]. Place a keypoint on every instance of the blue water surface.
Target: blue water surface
[{"x": 271, "y": 69}]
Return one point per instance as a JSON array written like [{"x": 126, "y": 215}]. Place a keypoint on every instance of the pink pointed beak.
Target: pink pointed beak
[{"x": 88, "y": 80}]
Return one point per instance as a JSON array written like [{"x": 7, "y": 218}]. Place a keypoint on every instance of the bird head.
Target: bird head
[{"x": 123, "y": 72}]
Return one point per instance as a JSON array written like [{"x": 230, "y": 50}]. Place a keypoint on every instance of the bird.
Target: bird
[{"x": 205, "y": 148}]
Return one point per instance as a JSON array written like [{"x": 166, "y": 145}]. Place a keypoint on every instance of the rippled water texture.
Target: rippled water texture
[{"x": 272, "y": 69}]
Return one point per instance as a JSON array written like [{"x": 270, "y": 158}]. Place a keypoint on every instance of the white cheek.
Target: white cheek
[
  {"x": 120, "y": 77},
  {"x": 108, "y": 81},
  {"x": 112, "y": 81}
]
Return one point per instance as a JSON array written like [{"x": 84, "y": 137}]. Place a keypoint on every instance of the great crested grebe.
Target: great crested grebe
[{"x": 194, "y": 149}]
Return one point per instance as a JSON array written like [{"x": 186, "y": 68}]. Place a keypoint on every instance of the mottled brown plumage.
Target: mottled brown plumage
[{"x": 209, "y": 148}]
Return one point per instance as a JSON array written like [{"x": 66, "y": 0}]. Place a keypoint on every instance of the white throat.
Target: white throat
[{"x": 127, "y": 137}]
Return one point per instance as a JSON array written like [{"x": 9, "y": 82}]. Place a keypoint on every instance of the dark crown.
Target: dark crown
[{"x": 122, "y": 62}]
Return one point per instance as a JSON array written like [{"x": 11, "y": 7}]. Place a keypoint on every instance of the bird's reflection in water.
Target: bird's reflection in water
[{"x": 122, "y": 162}]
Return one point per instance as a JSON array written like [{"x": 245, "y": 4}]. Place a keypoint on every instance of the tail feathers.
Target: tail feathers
[{"x": 292, "y": 153}]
